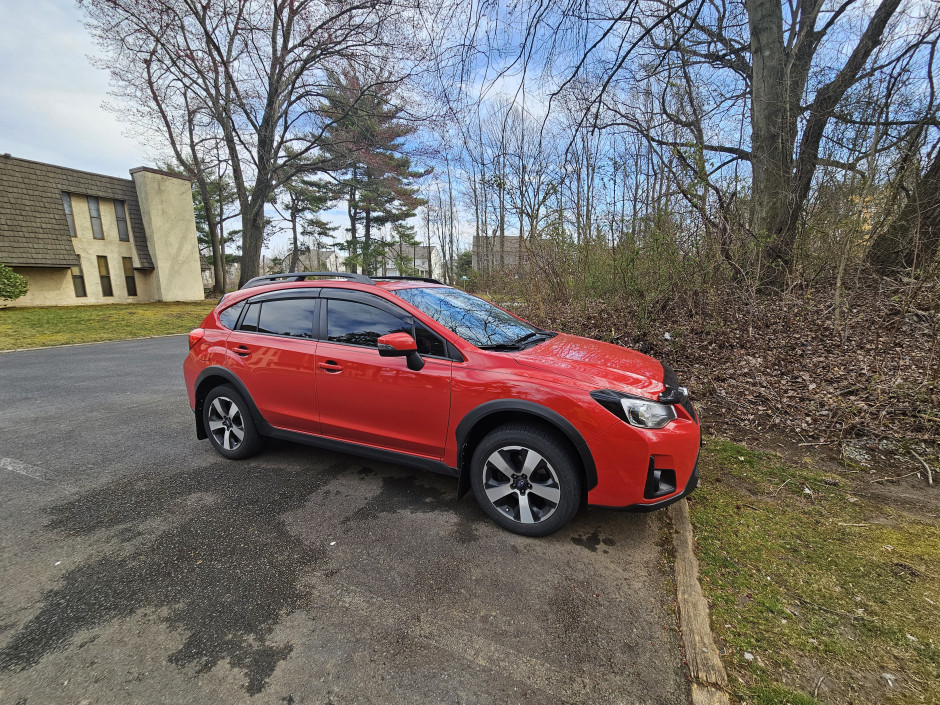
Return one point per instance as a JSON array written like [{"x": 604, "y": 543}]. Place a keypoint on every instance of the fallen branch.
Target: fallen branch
[
  {"x": 885, "y": 479},
  {"x": 926, "y": 467}
]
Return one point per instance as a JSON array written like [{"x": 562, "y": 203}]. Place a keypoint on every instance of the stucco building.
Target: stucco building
[{"x": 83, "y": 238}]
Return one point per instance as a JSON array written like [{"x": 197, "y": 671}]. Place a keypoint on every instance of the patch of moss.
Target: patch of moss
[{"x": 797, "y": 572}]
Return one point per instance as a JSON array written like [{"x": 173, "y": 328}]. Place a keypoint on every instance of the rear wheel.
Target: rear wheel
[
  {"x": 228, "y": 422},
  {"x": 526, "y": 480}
]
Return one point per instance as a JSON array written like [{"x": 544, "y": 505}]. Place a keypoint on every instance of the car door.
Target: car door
[
  {"x": 273, "y": 351},
  {"x": 373, "y": 400}
]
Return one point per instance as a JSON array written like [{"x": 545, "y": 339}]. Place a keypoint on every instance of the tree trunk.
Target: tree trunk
[
  {"x": 353, "y": 217},
  {"x": 367, "y": 244},
  {"x": 771, "y": 146},
  {"x": 218, "y": 276},
  {"x": 252, "y": 229},
  {"x": 913, "y": 238},
  {"x": 295, "y": 253}
]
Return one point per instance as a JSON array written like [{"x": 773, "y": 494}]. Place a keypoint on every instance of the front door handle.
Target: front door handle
[
  {"x": 242, "y": 350},
  {"x": 331, "y": 366}
]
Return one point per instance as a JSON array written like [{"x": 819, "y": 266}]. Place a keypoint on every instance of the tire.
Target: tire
[
  {"x": 526, "y": 479},
  {"x": 225, "y": 414}
]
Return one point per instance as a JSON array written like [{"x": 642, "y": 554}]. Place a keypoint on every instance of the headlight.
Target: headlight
[
  {"x": 636, "y": 411},
  {"x": 647, "y": 414}
]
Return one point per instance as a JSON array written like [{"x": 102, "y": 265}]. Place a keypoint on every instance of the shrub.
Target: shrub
[{"x": 12, "y": 285}]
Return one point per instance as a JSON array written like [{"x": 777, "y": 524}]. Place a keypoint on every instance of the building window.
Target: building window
[
  {"x": 94, "y": 210},
  {"x": 78, "y": 279},
  {"x": 129, "y": 275},
  {"x": 120, "y": 215},
  {"x": 105, "y": 273},
  {"x": 67, "y": 204}
]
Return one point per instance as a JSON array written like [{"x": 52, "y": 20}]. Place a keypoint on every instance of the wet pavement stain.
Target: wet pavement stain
[
  {"x": 592, "y": 541},
  {"x": 404, "y": 493},
  {"x": 224, "y": 576}
]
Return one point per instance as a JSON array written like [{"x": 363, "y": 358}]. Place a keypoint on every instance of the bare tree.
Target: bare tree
[{"x": 254, "y": 70}]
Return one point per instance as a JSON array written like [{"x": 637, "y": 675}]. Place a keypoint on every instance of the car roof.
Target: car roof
[{"x": 392, "y": 285}]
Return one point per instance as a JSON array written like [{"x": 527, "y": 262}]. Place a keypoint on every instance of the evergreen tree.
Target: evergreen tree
[
  {"x": 298, "y": 203},
  {"x": 366, "y": 147}
]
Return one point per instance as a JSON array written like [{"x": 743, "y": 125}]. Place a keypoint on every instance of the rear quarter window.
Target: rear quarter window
[{"x": 229, "y": 317}]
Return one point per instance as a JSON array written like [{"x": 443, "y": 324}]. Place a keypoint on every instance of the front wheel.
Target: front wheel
[{"x": 526, "y": 480}]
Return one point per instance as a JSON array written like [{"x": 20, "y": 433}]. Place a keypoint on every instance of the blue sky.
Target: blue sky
[{"x": 51, "y": 95}]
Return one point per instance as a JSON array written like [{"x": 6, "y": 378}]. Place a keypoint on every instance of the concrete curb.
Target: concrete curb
[
  {"x": 94, "y": 342},
  {"x": 709, "y": 678}
]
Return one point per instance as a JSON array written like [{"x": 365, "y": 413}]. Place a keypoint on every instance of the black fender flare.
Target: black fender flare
[
  {"x": 552, "y": 418},
  {"x": 230, "y": 378}
]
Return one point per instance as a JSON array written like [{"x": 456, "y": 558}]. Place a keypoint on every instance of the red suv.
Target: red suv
[{"x": 411, "y": 371}]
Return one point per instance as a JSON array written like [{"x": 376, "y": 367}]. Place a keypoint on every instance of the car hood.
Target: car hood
[{"x": 603, "y": 365}]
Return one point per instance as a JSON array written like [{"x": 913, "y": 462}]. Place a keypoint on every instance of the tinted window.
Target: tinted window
[
  {"x": 69, "y": 215},
  {"x": 94, "y": 211},
  {"x": 121, "y": 216},
  {"x": 360, "y": 324},
  {"x": 229, "y": 317},
  {"x": 472, "y": 318},
  {"x": 292, "y": 317},
  {"x": 250, "y": 321},
  {"x": 428, "y": 342}
]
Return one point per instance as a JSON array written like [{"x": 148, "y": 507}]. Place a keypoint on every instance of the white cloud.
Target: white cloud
[{"x": 51, "y": 95}]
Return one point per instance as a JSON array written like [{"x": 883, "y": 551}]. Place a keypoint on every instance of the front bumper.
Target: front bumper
[
  {"x": 653, "y": 506},
  {"x": 642, "y": 470}
]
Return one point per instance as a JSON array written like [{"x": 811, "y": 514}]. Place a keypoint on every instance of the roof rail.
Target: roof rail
[
  {"x": 301, "y": 276},
  {"x": 411, "y": 279}
]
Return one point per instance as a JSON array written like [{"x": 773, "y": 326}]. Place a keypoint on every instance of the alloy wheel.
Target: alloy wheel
[
  {"x": 226, "y": 423},
  {"x": 522, "y": 484}
]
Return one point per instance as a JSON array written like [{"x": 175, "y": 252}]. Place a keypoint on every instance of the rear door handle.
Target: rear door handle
[
  {"x": 331, "y": 366},
  {"x": 242, "y": 351}
]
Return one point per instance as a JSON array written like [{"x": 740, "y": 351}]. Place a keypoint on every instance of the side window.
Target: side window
[
  {"x": 229, "y": 317},
  {"x": 428, "y": 342},
  {"x": 250, "y": 321},
  {"x": 292, "y": 317},
  {"x": 354, "y": 323}
]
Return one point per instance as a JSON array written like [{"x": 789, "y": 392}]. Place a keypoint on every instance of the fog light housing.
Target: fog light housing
[{"x": 659, "y": 482}]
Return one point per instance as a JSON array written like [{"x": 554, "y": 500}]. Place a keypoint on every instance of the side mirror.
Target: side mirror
[{"x": 401, "y": 345}]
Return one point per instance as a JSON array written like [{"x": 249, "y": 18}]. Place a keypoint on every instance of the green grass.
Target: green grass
[
  {"x": 62, "y": 325},
  {"x": 809, "y": 596}
]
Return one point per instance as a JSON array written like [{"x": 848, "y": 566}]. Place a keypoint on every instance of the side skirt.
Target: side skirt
[{"x": 377, "y": 454}]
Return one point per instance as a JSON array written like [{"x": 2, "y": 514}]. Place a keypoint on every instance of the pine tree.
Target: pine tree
[{"x": 366, "y": 147}]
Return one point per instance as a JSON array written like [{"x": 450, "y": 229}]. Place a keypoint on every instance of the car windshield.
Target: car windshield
[{"x": 475, "y": 320}]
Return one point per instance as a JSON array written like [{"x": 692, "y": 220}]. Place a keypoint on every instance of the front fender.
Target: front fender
[{"x": 507, "y": 408}]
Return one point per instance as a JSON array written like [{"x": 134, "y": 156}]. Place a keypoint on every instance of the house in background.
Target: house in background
[
  {"x": 426, "y": 261},
  {"x": 320, "y": 261},
  {"x": 83, "y": 238},
  {"x": 490, "y": 254}
]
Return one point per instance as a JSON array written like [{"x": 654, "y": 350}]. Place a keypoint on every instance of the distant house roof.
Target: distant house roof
[
  {"x": 33, "y": 228},
  {"x": 415, "y": 251}
]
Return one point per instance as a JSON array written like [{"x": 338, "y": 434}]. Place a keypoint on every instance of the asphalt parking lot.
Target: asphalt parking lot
[{"x": 138, "y": 566}]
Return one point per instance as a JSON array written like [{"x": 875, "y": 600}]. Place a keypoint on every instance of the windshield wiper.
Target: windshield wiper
[
  {"x": 527, "y": 336},
  {"x": 501, "y": 346},
  {"x": 519, "y": 343}
]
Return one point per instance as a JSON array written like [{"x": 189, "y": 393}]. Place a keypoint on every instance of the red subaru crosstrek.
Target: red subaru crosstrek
[{"x": 411, "y": 371}]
